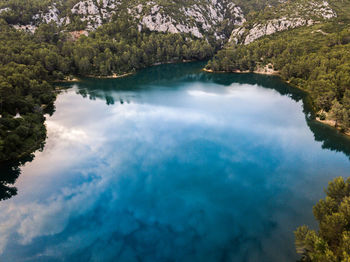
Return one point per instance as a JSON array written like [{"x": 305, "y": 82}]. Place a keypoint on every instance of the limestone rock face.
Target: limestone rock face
[
  {"x": 26, "y": 28},
  {"x": 273, "y": 26},
  {"x": 199, "y": 18},
  {"x": 52, "y": 15},
  {"x": 6, "y": 9},
  {"x": 302, "y": 15},
  {"x": 95, "y": 14},
  {"x": 196, "y": 19}
]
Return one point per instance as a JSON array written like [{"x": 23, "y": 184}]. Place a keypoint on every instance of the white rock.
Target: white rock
[
  {"x": 53, "y": 15},
  {"x": 17, "y": 116},
  {"x": 26, "y": 28},
  {"x": 4, "y": 10},
  {"x": 197, "y": 18},
  {"x": 311, "y": 10},
  {"x": 94, "y": 14}
]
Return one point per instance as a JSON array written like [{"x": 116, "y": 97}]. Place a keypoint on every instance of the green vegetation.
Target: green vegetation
[
  {"x": 24, "y": 91},
  {"x": 30, "y": 63},
  {"x": 316, "y": 59},
  {"x": 119, "y": 48},
  {"x": 9, "y": 173},
  {"x": 250, "y": 7},
  {"x": 27, "y": 12},
  {"x": 21, "y": 12},
  {"x": 332, "y": 242}
]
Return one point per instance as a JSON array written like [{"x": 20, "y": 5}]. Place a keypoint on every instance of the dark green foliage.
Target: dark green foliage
[
  {"x": 24, "y": 91},
  {"x": 316, "y": 59},
  {"x": 119, "y": 47},
  {"x": 251, "y": 6},
  {"x": 332, "y": 242},
  {"x": 22, "y": 12},
  {"x": 29, "y": 63}
]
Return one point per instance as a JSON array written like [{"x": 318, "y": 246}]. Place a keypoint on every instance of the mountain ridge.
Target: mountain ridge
[
  {"x": 221, "y": 20},
  {"x": 110, "y": 37},
  {"x": 307, "y": 47},
  {"x": 198, "y": 18}
]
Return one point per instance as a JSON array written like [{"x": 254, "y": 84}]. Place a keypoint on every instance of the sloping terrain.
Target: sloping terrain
[
  {"x": 283, "y": 17},
  {"x": 307, "y": 43},
  {"x": 197, "y": 17}
]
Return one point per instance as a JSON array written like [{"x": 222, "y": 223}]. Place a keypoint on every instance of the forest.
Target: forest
[
  {"x": 315, "y": 59},
  {"x": 331, "y": 242},
  {"x": 30, "y": 63}
]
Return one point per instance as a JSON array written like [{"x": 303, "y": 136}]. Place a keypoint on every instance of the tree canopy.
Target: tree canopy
[
  {"x": 29, "y": 63},
  {"x": 315, "y": 59},
  {"x": 331, "y": 243}
]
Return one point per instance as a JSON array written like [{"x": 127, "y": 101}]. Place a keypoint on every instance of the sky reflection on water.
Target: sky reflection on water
[{"x": 170, "y": 165}]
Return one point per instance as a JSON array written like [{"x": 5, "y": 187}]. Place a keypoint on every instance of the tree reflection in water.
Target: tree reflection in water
[
  {"x": 9, "y": 173},
  {"x": 112, "y": 92}
]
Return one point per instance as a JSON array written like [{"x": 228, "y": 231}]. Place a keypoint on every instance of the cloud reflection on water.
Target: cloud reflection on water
[{"x": 203, "y": 172}]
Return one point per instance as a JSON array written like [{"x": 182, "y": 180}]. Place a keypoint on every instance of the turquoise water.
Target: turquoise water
[{"x": 172, "y": 164}]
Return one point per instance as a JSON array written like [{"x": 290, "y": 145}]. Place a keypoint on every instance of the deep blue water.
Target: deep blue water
[{"x": 172, "y": 164}]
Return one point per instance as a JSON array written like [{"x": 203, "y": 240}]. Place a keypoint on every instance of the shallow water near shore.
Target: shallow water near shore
[{"x": 172, "y": 164}]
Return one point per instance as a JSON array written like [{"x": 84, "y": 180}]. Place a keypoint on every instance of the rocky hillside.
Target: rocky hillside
[
  {"x": 199, "y": 18},
  {"x": 307, "y": 43},
  {"x": 241, "y": 21},
  {"x": 123, "y": 36},
  {"x": 287, "y": 15}
]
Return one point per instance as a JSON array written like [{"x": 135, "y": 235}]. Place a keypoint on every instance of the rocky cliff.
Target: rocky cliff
[
  {"x": 286, "y": 16},
  {"x": 200, "y": 18}
]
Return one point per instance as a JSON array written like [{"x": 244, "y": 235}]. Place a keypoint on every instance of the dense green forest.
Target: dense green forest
[
  {"x": 30, "y": 63},
  {"x": 316, "y": 59},
  {"x": 332, "y": 242}
]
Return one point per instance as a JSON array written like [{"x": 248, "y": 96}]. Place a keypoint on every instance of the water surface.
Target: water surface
[{"x": 172, "y": 164}]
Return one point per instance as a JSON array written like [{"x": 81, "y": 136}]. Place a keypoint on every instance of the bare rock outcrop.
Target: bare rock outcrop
[{"x": 301, "y": 15}]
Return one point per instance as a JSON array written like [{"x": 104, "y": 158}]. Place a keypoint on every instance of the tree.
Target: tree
[
  {"x": 30, "y": 62},
  {"x": 336, "y": 112},
  {"x": 346, "y": 99},
  {"x": 332, "y": 242},
  {"x": 84, "y": 65}
]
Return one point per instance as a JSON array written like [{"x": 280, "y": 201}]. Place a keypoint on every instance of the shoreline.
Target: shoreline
[
  {"x": 259, "y": 72},
  {"x": 328, "y": 122},
  {"x": 114, "y": 76},
  {"x": 267, "y": 70},
  {"x": 76, "y": 79},
  {"x": 68, "y": 80},
  {"x": 331, "y": 123},
  {"x": 173, "y": 62}
]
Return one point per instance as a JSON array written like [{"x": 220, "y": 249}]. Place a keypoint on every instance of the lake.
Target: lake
[{"x": 172, "y": 164}]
